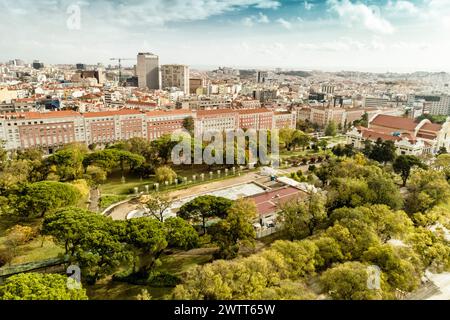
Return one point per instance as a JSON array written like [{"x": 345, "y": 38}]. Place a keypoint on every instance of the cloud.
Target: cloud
[
  {"x": 361, "y": 14},
  {"x": 308, "y": 5},
  {"x": 139, "y": 12},
  {"x": 268, "y": 4},
  {"x": 402, "y": 7},
  {"x": 344, "y": 44},
  {"x": 286, "y": 24},
  {"x": 252, "y": 20}
]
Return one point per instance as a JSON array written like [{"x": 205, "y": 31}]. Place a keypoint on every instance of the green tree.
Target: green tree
[
  {"x": 40, "y": 286},
  {"x": 38, "y": 198},
  {"x": 67, "y": 163},
  {"x": 180, "y": 234},
  {"x": 348, "y": 281},
  {"x": 205, "y": 207},
  {"x": 383, "y": 151},
  {"x": 165, "y": 173},
  {"x": 331, "y": 129},
  {"x": 301, "y": 219},
  {"x": 301, "y": 139},
  {"x": 403, "y": 165},
  {"x": 329, "y": 252},
  {"x": 188, "y": 124},
  {"x": 383, "y": 190},
  {"x": 90, "y": 240},
  {"x": 164, "y": 146},
  {"x": 235, "y": 229},
  {"x": 147, "y": 238},
  {"x": 432, "y": 248},
  {"x": 426, "y": 189},
  {"x": 157, "y": 204},
  {"x": 402, "y": 272}
]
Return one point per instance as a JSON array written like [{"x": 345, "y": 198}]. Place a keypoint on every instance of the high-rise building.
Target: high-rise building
[
  {"x": 81, "y": 66},
  {"x": 439, "y": 104},
  {"x": 37, "y": 65},
  {"x": 147, "y": 70},
  {"x": 262, "y": 76},
  {"x": 175, "y": 75}
]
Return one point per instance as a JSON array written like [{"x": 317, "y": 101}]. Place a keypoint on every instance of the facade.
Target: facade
[
  {"x": 165, "y": 122},
  {"x": 373, "y": 102},
  {"x": 175, "y": 75},
  {"x": 437, "y": 104},
  {"x": 256, "y": 119},
  {"x": 53, "y": 129},
  {"x": 409, "y": 136},
  {"x": 147, "y": 71},
  {"x": 322, "y": 116},
  {"x": 49, "y": 130},
  {"x": 285, "y": 120}
]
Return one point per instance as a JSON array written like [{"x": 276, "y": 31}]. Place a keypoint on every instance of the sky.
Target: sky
[{"x": 379, "y": 36}]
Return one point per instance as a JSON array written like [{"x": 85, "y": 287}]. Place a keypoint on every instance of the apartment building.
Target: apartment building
[
  {"x": 284, "y": 120},
  {"x": 374, "y": 102},
  {"x": 49, "y": 130},
  {"x": 259, "y": 119},
  {"x": 175, "y": 75},
  {"x": 438, "y": 104},
  {"x": 56, "y": 128},
  {"x": 110, "y": 126},
  {"x": 165, "y": 122}
]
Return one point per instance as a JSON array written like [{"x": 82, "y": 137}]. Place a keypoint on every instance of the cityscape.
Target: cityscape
[{"x": 216, "y": 170}]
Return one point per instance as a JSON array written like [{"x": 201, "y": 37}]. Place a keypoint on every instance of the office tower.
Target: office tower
[
  {"x": 262, "y": 76},
  {"x": 175, "y": 75},
  {"x": 37, "y": 65},
  {"x": 326, "y": 88},
  {"x": 81, "y": 66},
  {"x": 148, "y": 71}
]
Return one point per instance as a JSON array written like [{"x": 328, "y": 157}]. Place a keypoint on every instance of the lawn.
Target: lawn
[
  {"x": 115, "y": 186},
  {"x": 35, "y": 250}
]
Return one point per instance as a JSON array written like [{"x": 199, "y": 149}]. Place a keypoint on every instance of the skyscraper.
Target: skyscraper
[
  {"x": 175, "y": 75},
  {"x": 147, "y": 70}
]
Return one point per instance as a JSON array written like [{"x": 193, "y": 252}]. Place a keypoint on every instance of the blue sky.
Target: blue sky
[{"x": 387, "y": 35}]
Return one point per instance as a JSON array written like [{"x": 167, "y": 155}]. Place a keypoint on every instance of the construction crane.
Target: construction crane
[{"x": 120, "y": 65}]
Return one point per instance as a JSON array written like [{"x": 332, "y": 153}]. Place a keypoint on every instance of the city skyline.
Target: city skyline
[{"x": 330, "y": 35}]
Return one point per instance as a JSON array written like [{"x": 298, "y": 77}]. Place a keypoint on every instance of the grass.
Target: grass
[
  {"x": 35, "y": 249},
  {"x": 114, "y": 185}
]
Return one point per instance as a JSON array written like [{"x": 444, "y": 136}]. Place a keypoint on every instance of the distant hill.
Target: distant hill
[{"x": 302, "y": 74}]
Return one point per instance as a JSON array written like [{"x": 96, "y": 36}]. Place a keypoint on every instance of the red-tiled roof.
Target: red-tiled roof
[
  {"x": 157, "y": 113},
  {"x": 45, "y": 115},
  {"x": 374, "y": 135},
  {"x": 269, "y": 202},
  {"x": 205, "y": 113},
  {"x": 394, "y": 122},
  {"x": 111, "y": 113},
  {"x": 142, "y": 103},
  {"x": 252, "y": 111},
  {"x": 431, "y": 127}
]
